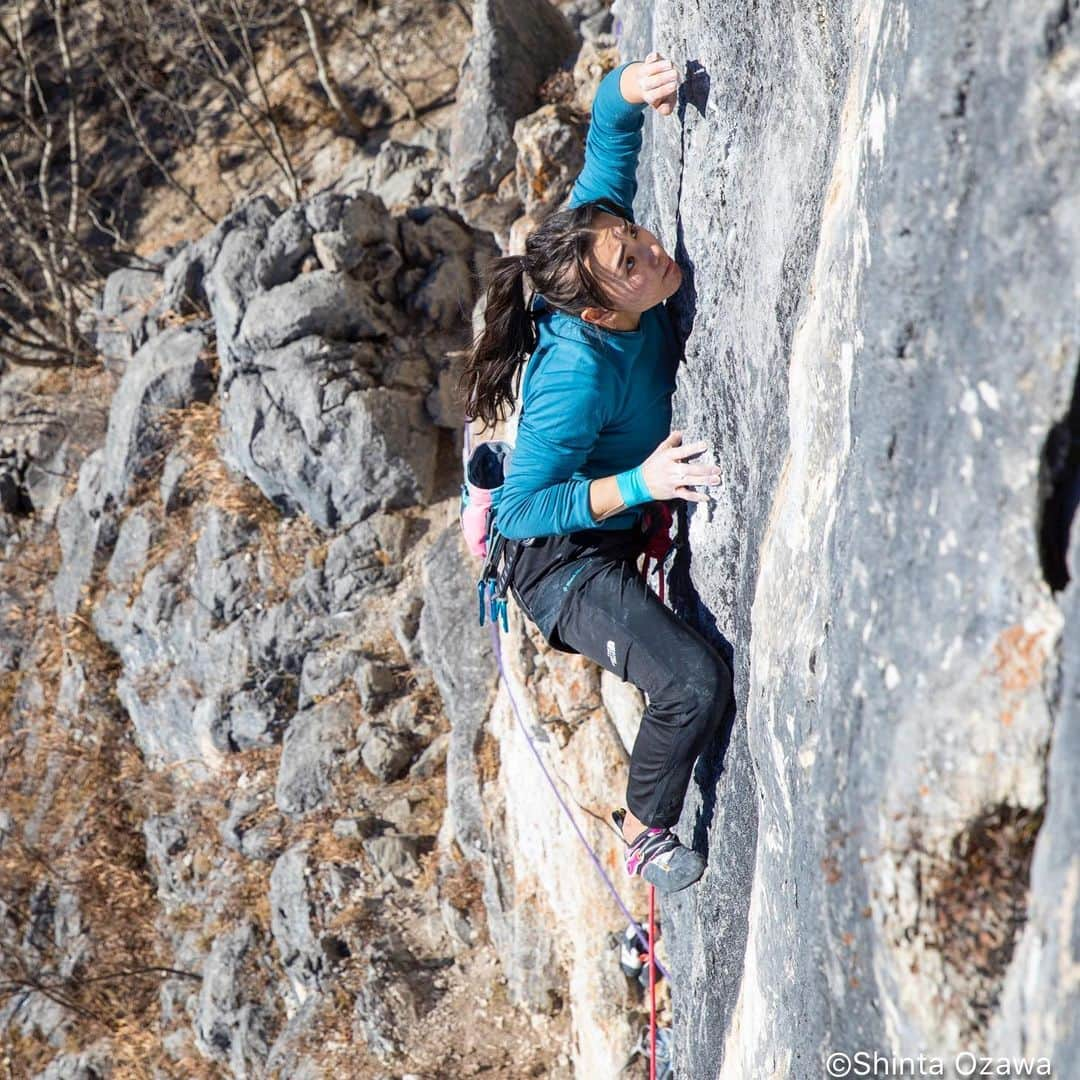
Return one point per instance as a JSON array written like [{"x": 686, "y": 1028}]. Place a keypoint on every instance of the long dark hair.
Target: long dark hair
[{"x": 554, "y": 261}]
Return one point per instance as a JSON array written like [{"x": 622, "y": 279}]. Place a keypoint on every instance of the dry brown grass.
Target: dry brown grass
[
  {"x": 77, "y": 792},
  {"x": 77, "y": 800},
  {"x": 208, "y": 481},
  {"x": 420, "y": 45},
  {"x": 488, "y": 758},
  {"x": 462, "y": 888},
  {"x": 101, "y": 792}
]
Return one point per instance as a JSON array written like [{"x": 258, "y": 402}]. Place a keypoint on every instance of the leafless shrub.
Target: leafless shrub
[{"x": 95, "y": 99}]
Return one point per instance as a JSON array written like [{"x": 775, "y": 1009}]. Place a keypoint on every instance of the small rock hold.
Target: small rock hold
[
  {"x": 385, "y": 753},
  {"x": 402, "y": 716},
  {"x": 355, "y": 828},
  {"x": 432, "y": 759},
  {"x": 376, "y": 682},
  {"x": 399, "y": 813},
  {"x": 393, "y": 855}
]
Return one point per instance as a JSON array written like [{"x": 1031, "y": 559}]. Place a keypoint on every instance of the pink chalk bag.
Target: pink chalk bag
[{"x": 484, "y": 472}]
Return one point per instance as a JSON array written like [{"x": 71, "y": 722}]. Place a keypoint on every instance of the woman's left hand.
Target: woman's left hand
[{"x": 658, "y": 83}]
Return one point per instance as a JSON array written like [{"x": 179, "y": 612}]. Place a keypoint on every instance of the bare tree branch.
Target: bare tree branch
[
  {"x": 326, "y": 79},
  {"x": 147, "y": 149},
  {"x": 376, "y": 59},
  {"x": 220, "y": 71},
  {"x": 268, "y": 111}
]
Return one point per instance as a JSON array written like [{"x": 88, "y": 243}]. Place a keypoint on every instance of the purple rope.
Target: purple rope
[{"x": 639, "y": 932}]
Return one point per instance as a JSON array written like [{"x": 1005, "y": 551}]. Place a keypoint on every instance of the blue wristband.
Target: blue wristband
[{"x": 632, "y": 487}]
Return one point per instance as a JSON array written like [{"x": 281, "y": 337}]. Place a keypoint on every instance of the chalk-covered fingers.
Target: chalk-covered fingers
[
  {"x": 658, "y": 82},
  {"x": 669, "y": 474},
  {"x": 692, "y": 474}
]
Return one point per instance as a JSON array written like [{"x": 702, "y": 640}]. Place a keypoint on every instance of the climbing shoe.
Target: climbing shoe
[{"x": 657, "y": 856}]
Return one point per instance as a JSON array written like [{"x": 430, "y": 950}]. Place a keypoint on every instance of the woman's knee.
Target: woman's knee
[{"x": 705, "y": 690}]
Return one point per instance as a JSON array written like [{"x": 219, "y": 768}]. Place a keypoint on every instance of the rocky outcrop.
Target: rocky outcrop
[
  {"x": 514, "y": 47},
  {"x": 315, "y": 411},
  {"x": 260, "y": 659}
]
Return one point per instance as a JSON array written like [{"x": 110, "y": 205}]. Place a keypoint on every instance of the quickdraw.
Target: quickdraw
[{"x": 495, "y": 576}]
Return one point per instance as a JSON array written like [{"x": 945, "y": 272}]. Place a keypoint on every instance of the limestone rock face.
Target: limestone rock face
[
  {"x": 878, "y": 231},
  {"x": 515, "y": 46},
  {"x": 258, "y": 605},
  {"x": 168, "y": 372},
  {"x": 551, "y": 153}
]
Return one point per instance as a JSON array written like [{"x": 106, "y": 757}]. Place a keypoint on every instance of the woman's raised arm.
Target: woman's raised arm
[{"x": 618, "y": 115}]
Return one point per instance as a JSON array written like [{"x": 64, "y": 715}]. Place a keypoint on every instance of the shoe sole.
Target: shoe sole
[{"x": 674, "y": 878}]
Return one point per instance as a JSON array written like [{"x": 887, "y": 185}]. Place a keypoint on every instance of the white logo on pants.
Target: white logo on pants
[{"x": 611, "y": 653}]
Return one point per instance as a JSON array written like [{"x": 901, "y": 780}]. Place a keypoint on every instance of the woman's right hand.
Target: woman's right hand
[
  {"x": 656, "y": 82},
  {"x": 668, "y": 475}
]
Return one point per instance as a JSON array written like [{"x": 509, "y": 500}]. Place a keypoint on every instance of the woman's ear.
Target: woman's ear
[{"x": 597, "y": 316}]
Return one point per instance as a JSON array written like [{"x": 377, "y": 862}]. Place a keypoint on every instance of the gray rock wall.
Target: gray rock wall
[{"x": 876, "y": 208}]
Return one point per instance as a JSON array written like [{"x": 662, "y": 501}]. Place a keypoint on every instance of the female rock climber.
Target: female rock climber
[{"x": 594, "y": 448}]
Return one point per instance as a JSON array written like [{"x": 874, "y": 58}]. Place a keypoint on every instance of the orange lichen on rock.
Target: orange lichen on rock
[{"x": 1018, "y": 658}]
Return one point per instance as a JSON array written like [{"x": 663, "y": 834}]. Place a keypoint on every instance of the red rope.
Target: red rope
[
  {"x": 657, "y": 542},
  {"x": 652, "y": 983}
]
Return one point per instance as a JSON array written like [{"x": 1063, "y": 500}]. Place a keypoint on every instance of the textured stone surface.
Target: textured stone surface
[
  {"x": 234, "y": 1025},
  {"x": 314, "y": 744},
  {"x": 1041, "y": 997},
  {"x": 169, "y": 372},
  {"x": 290, "y": 921},
  {"x": 402, "y": 174},
  {"x": 384, "y": 753},
  {"x": 550, "y": 153},
  {"x": 303, "y": 353},
  {"x": 880, "y": 243},
  {"x": 458, "y": 653}
]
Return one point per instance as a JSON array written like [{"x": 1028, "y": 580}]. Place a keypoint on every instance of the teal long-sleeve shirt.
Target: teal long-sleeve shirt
[{"x": 594, "y": 402}]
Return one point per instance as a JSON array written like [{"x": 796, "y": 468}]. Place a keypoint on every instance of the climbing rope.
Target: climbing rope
[
  {"x": 639, "y": 931},
  {"x": 652, "y": 983},
  {"x": 657, "y": 546}
]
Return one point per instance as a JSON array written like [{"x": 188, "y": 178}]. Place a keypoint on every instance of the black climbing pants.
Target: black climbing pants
[{"x": 586, "y": 596}]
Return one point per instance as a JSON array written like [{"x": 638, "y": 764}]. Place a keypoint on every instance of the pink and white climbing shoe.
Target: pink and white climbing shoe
[{"x": 657, "y": 856}]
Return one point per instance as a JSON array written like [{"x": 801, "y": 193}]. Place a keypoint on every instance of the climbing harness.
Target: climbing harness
[
  {"x": 494, "y": 578},
  {"x": 484, "y": 474}
]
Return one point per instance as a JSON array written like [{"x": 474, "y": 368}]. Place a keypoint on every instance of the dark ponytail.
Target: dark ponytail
[{"x": 553, "y": 265}]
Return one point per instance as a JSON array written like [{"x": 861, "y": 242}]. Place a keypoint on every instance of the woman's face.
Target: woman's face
[{"x": 632, "y": 267}]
